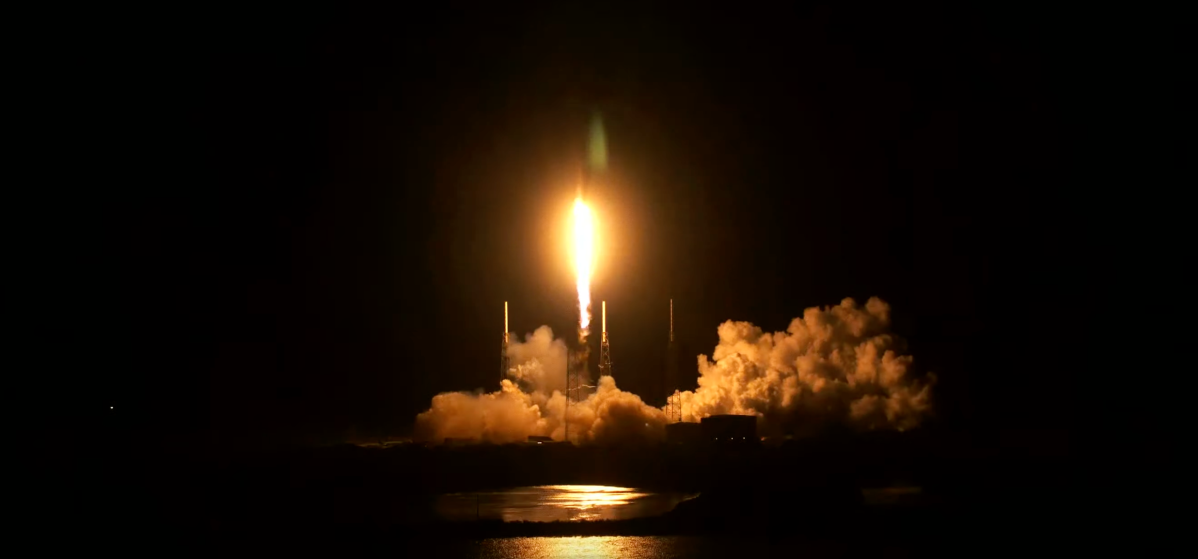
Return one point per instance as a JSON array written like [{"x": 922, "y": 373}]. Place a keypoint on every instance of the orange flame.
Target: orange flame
[{"x": 584, "y": 260}]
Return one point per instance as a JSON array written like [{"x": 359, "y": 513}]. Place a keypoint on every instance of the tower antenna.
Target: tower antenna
[
  {"x": 505, "y": 362},
  {"x": 604, "y": 348},
  {"x": 673, "y": 397}
]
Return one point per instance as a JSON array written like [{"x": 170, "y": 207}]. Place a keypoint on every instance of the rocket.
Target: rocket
[{"x": 596, "y": 160}]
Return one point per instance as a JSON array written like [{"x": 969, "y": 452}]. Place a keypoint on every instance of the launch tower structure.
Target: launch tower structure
[{"x": 505, "y": 362}]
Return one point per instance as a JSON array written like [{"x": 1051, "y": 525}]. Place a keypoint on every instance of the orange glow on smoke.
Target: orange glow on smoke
[{"x": 584, "y": 259}]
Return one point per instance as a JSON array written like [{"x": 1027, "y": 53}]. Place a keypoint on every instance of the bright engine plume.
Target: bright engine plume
[{"x": 584, "y": 260}]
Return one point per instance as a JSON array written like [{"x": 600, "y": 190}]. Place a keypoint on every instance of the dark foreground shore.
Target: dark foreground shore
[{"x": 826, "y": 489}]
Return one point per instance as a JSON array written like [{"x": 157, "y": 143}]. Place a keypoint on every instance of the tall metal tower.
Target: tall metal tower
[
  {"x": 604, "y": 348},
  {"x": 505, "y": 362},
  {"x": 566, "y": 406},
  {"x": 674, "y": 406}
]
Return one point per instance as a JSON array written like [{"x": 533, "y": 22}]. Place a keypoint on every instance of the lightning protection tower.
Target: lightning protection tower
[
  {"x": 505, "y": 362},
  {"x": 604, "y": 348},
  {"x": 674, "y": 405}
]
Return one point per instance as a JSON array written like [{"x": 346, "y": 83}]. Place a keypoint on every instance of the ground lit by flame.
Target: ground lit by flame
[{"x": 584, "y": 260}]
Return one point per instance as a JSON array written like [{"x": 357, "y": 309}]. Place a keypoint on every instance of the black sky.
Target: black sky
[{"x": 343, "y": 200}]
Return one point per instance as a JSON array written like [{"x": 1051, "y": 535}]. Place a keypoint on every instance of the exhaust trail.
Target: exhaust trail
[{"x": 584, "y": 262}]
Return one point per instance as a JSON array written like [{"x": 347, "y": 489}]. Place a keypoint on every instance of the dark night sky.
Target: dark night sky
[{"x": 344, "y": 200}]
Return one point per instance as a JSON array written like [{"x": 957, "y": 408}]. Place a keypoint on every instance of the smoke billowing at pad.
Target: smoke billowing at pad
[
  {"x": 838, "y": 365},
  {"x": 531, "y": 402}
]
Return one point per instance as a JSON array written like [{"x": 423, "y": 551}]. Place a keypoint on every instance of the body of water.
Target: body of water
[
  {"x": 636, "y": 547},
  {"x": 549, "y": 503}
]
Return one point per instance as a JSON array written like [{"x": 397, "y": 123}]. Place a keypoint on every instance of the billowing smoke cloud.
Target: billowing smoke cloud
[
  {"x": 539, "y": 361},
  {"x": 838, "y": 364},
  {"x": 532, "y": 402},
  {"x": 834, "y": 365}
]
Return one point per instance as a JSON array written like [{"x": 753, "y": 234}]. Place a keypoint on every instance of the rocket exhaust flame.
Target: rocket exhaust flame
[
  {"x": 584, "y": 261},
  {"x": 837, "y": 364}
]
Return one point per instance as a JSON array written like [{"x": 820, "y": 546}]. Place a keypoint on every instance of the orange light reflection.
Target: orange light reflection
[
  {"x": 584, "y": 502},
  {"x": 571, "y": 547}
]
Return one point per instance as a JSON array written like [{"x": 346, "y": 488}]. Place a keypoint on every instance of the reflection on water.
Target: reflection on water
[
  {"x": 594, "y": 546},
  {"x": 547, "y": 503},
  {"x": 642, "y": 547}
]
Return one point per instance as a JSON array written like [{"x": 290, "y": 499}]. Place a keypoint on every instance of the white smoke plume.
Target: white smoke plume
[
  {"x": 838, "y": 364},
  {"x": 833, "y": 365},
  {"x": 539, "y": 361},
  {"x": 532, "y": 402}
]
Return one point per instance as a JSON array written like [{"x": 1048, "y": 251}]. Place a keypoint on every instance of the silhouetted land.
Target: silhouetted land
[{"x": 1014, "y": 485}]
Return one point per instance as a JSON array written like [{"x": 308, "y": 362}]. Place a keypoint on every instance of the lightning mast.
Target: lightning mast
[
  {"x": 505, "y": 362},
  {"x": 604, "y": 348},
  {"x": 674, "y": 404},
  {"x": 566, "y": 408}
]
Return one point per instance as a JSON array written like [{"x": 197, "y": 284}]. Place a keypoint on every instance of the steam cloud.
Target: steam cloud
[
  {"x": 832, "y": 365},
  {"x": 837, "y": 364},
  {"x": 531, "y": 402}
]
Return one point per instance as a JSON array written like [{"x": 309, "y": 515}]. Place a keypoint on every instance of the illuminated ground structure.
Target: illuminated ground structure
[
  {"x": 714, "y": 430},
  {"x": 730, "y": 428}
]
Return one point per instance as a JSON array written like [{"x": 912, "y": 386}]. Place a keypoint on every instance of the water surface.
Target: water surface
[
  {"x": 548, "y": 503},
  {"x": 637, "y": 547}
]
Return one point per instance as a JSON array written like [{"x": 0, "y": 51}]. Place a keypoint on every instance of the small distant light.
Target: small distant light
[
  {"x": 539, "y": 442},
  {"x": 109, "y": 407}
]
